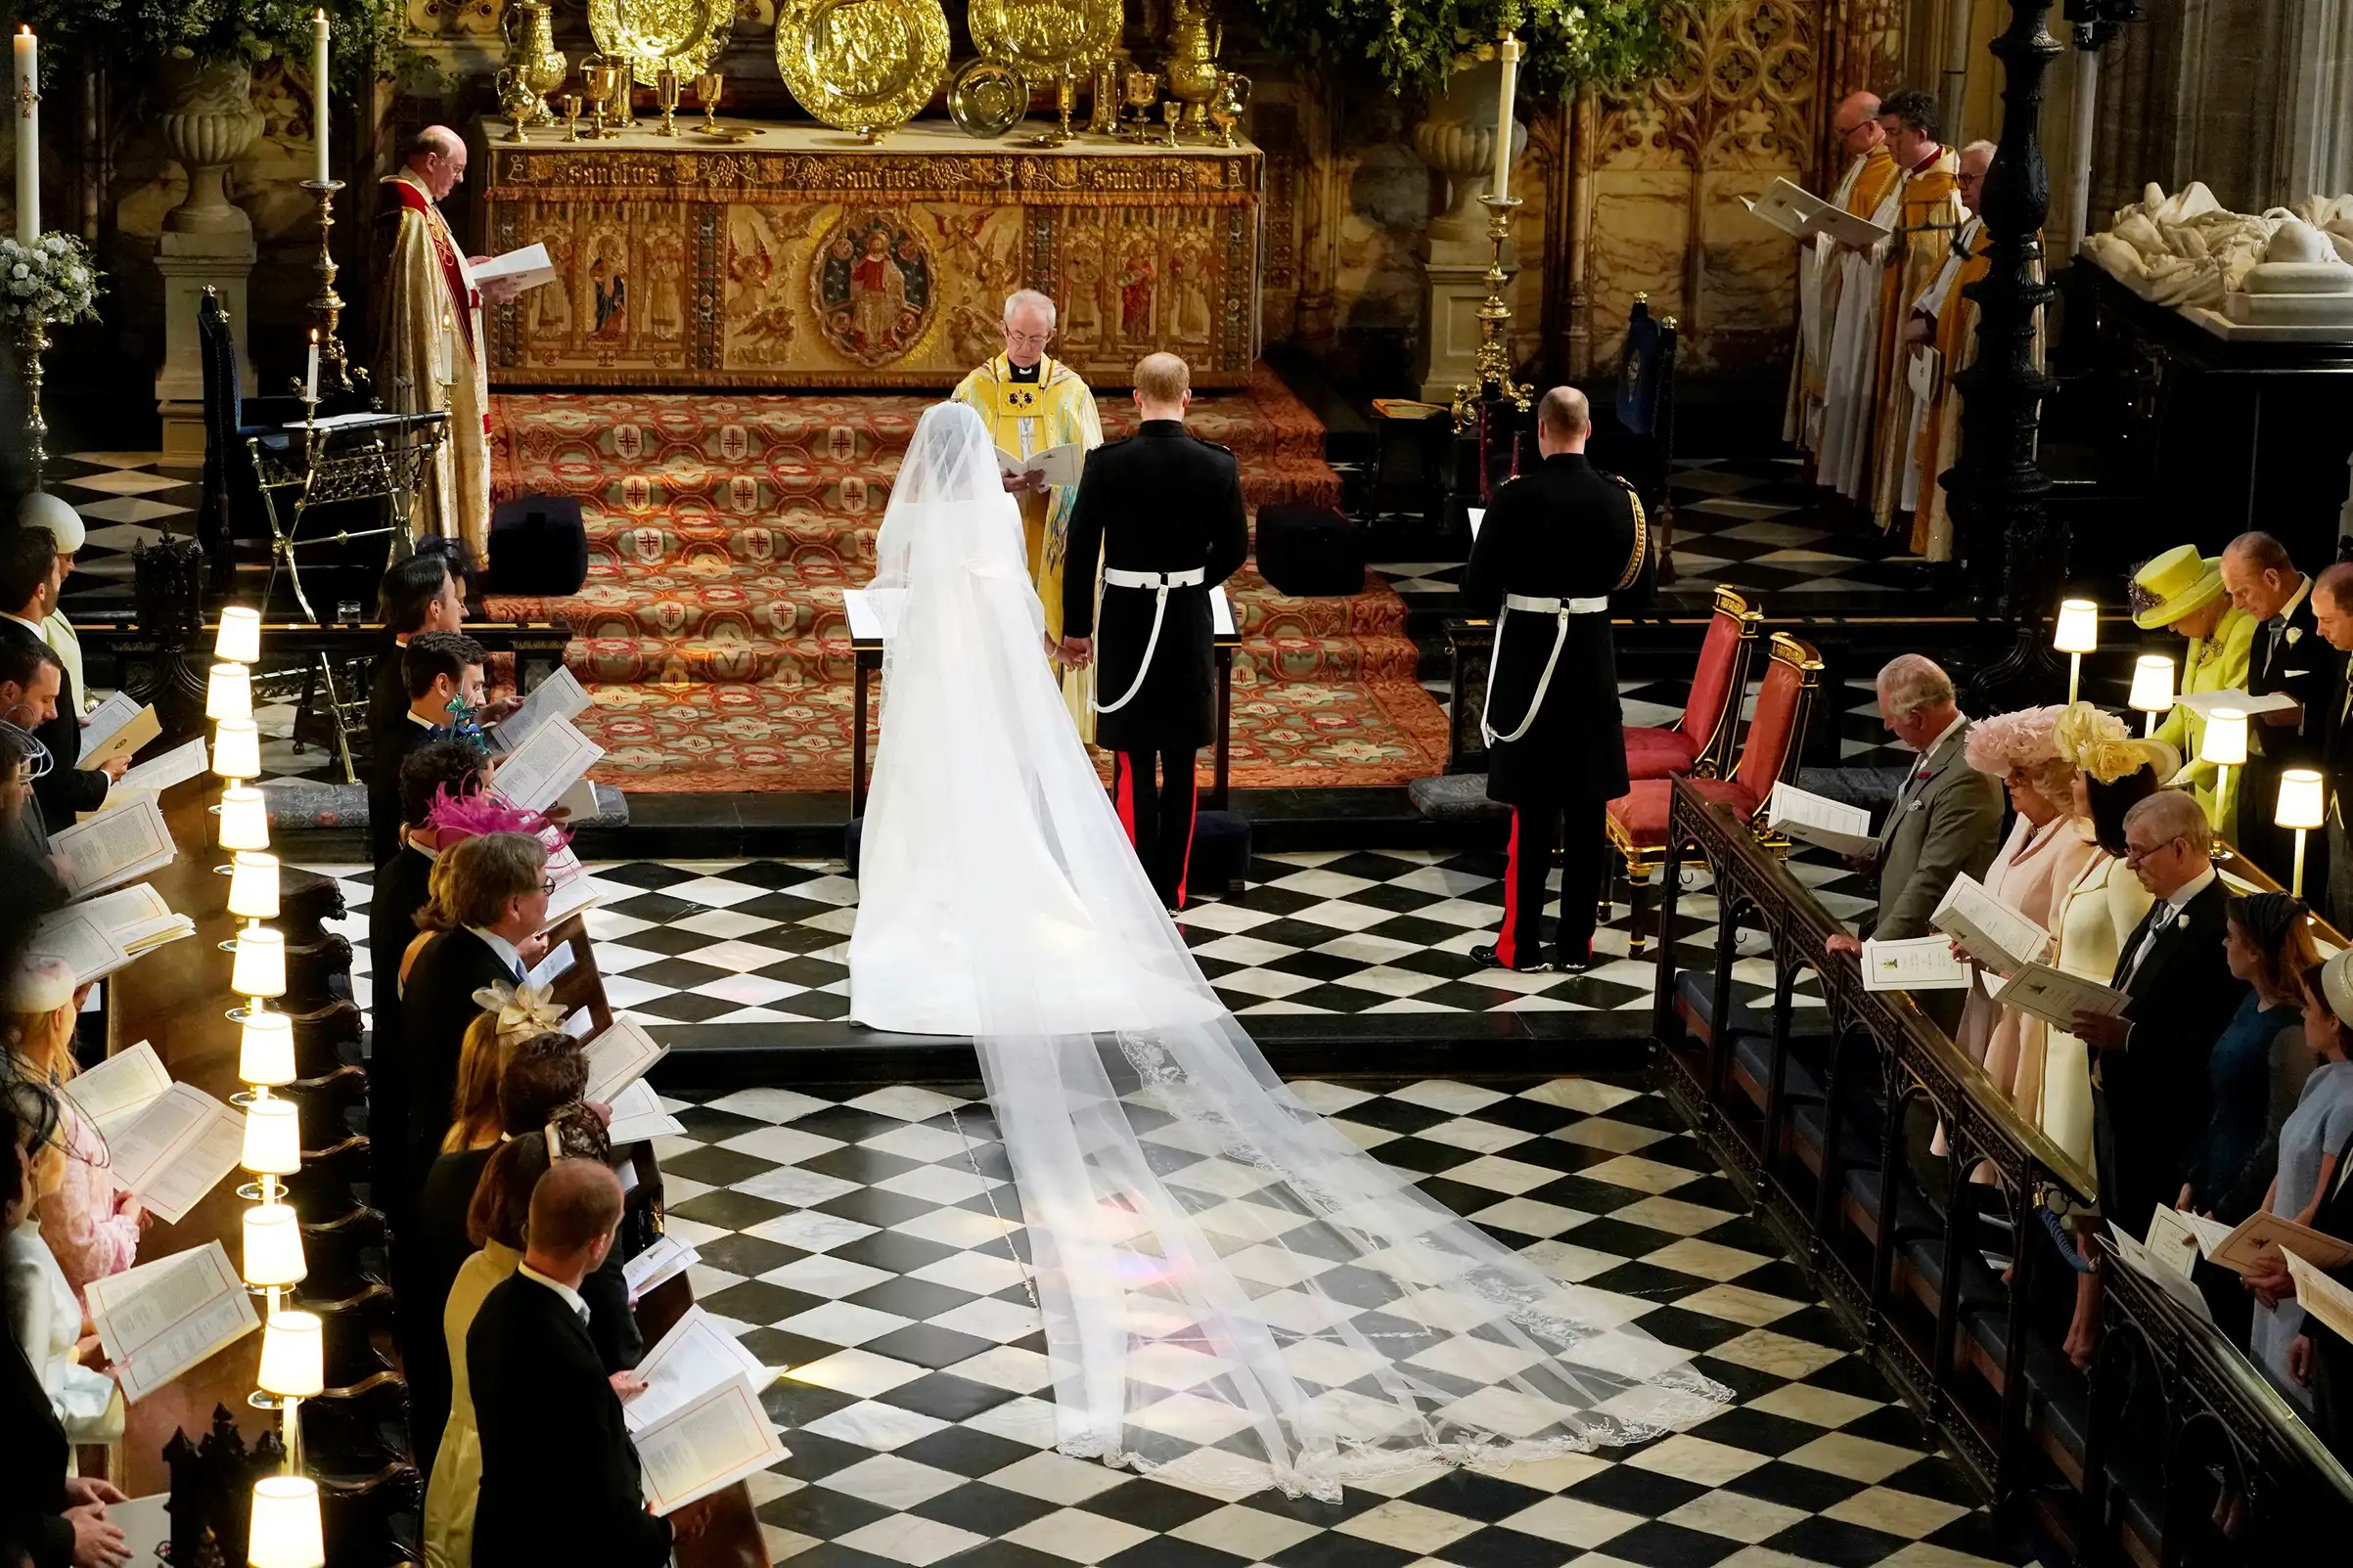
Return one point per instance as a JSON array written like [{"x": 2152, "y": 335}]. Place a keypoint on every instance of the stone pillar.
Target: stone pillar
[
  {"x": 189, "y": 263},
  {"x": 2315, "y": 151}
]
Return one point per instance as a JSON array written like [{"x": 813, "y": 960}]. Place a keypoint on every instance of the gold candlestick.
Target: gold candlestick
[
  {"x": 33, "y": 334},
  {"x": 665, "y": 92},
  {"x": 1493, "y": 361},
  {"x": 336, "y": 372}
]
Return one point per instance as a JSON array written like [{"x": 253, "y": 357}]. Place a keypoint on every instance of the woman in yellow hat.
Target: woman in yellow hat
[{"x": 2184, "y": 591}]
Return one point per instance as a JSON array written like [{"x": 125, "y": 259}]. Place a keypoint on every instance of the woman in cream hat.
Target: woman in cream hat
[
  {"x": 2181, "y": 590},
  {"x": 41, "y": 510},
  {"x": 92, "y": 1226}
]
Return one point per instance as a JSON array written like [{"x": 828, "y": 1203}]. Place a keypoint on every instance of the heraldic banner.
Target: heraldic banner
[{"x": 801, "y": 258}]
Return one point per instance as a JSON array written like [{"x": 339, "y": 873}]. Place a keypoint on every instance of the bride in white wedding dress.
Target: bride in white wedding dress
[{"x": 1235, "y": 1295}]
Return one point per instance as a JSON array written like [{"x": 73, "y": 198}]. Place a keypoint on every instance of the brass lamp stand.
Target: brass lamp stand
[{"x": 1493, "y": 359}]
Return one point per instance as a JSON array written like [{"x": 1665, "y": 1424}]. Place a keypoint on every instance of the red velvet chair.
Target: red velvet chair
[
  {"x": 1636, "y": 822},
  {"x": 1701, "y": 742}
]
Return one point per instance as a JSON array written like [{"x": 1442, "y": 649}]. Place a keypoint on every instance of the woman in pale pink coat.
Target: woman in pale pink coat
[{"x": 2045, "y": 850}]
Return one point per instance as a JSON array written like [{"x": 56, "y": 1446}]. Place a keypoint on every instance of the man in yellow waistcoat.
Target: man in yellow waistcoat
[
  {"x": 1928, "y": 214},
  {"x": 1822, "y": 270},
  {"x": 429, "y": 352},
  {"x": 1032, "y": 403}
]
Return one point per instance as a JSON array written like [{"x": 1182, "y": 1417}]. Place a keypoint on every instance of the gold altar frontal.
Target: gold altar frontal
[{"x": 805, "y": 257}]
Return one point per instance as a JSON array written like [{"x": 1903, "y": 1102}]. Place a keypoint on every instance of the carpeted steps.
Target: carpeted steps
[{"x": 723, "y": 529}]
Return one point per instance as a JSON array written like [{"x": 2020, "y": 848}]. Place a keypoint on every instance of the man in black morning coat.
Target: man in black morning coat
[
  {"x": 1555, "y": 545},
  {"x": 1165, "y": 509}
]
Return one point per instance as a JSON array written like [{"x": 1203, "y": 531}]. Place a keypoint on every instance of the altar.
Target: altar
[{"x": 802, "y": 257}]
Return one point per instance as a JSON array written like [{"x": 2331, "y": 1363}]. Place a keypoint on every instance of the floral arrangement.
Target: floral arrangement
[
  {"x": 1413, "y": 46},
  {"x": 52, "y": 279},
  {"x": 369, "y": 38}
]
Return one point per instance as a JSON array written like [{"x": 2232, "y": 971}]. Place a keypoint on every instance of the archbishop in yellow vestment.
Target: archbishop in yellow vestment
[
  {"x": 1030, "y": 408},
  {"x": 1929, "y": 216}
]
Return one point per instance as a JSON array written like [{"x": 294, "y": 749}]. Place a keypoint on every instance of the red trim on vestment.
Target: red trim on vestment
[{"x": 453, "y": 274}]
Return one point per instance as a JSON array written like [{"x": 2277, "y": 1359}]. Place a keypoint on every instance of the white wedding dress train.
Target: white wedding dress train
[{"x": 1235, "y": 1295}]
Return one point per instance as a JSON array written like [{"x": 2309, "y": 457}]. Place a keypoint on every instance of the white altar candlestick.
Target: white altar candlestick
[
  {"x": 1509, "y": 52},
  {"x": 28, "y": 138},
  {"x": 310, "y": 378},
  {"x": 318, "y": 90}
]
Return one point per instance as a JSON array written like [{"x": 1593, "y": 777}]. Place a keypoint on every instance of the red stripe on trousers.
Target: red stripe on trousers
[
  {"x": 1192, "y": 800},
  {"x": 1507, "y": 942},
  {"x": 1124, "y": 790}
]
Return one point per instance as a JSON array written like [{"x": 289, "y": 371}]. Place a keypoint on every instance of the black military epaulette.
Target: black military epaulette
[{"x": 1213, "y": 446}]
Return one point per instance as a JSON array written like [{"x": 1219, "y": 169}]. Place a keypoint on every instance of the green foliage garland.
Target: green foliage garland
[
  {"x": 1412, "y": 46},
  {"x": 368, "y": 36}
]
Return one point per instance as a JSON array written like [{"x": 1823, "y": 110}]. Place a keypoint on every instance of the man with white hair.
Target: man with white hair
[
  {"x": 1946, "y": 817},
  {"x": 429, "y": 351},
  {"x": 2149, "y": 1095},
  {"x": 1033, "y": 403},
  {"x": 1870, "y": 174}
]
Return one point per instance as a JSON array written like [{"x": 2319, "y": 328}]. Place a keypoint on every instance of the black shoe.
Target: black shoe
[
  {"x": 1486, "y": 957},
  {"x": 1582, "y": 966}
]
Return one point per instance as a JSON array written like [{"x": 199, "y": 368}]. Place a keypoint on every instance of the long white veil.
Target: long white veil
[{"x": 1235, "y": 1295}]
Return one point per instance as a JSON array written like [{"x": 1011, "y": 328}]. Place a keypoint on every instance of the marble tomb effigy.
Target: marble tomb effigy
[{"x": 807, "y": 258}]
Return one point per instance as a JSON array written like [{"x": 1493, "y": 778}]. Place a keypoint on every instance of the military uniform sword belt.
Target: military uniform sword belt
[
  {"x": 1560, "y": 609},
  {"x": 1159, "y": 582}
]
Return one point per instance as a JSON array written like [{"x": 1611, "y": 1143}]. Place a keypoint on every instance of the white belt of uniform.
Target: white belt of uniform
[
  {"x": 1161, "y": 582},
  {"x": 1560, "y": 609}
]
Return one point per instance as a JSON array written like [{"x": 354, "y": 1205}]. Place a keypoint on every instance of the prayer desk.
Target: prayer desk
[
  {"x": 801, "y": 256},
  {"x": 865, "y": 631}
]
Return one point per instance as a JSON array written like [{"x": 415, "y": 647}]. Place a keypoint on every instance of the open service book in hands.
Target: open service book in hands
[
  {"x": 1913, "y": 963},
  {"x": 100, "y": 935},
  {"x": 2255, "y": 1244},
  {"x": 697, "y": 1424},
  {"x": 1995, "y": 936},
  {"x": 2057, "y": 997},
  {"x": 161, "y": 1318},
  {"x": 1055, "y": 466},
  {"x": 168, "y": 1143},
  {"x": 1819, "y": 821},
  {"x": 113, "y": 848},
  {"x": 1802, "y": 214},
  {"x": 117, "y": 728}
]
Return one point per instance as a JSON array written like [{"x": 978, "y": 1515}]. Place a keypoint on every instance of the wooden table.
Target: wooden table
[
  {"x": 866, "y": 648},
  {"x": 804, "y": 257}
]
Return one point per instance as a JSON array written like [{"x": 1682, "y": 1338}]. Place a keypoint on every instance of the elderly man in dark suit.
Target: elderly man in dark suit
[
  {"x": 2289, "y": 659},
  {"x": 2149, "y": 1093},
  {"x": 560, "y": 1481},
  {"x": 1555, "y": 543},
  {"x": 30, "y": 575}
]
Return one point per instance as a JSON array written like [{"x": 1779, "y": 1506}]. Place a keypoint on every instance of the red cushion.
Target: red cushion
[
  {"x": 1711, "y": 682},
  {"x": 1641, "y": 817},
  {"x": 1659, "y": 754}
]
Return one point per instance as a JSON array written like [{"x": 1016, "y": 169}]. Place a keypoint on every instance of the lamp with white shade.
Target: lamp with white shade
[
  {"x": 285, "y": 1530},
  {"x": 2153, "y": 689},
  {"x": 293, "y": 1369},
  {"x": 239, "y": 640},
  {"x": 273, "y": 1251},
  {"x": 260, "y": 967},
  {"x": 236, "y": 751},
  {"x": 245, "y": 818},
  {"x": 252, "y": 889},
  {"x": 2225, "y": 746},
  {"x": 2076, "y": 634},
  {"x": 2303, "y": 805},
  {"x": 273, "y": 1146},
  {"x": 229, "y": 693},
  {"x": 265, "y": 1053}
]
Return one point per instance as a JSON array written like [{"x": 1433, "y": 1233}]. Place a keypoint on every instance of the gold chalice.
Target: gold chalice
[
  {"x": 1142, "y": 90},
  {"x": 665, "y": 92},
  {"x": 1173, "y": 111},
  {"x": 572, "y": 115},
  {"x": 708, "y": 88},
  {"x": 599, "y": 81}
]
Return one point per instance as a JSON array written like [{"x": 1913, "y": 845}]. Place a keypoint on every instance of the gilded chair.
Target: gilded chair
[
  {"x": 1701, "y": 742},
  {"x": 1636, "y": 822}
]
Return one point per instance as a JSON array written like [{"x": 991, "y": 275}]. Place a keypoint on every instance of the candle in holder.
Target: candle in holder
[
  {"x": 318, "y": 97},
  {"x": 1509, "y": 52},
  {"x": 310, "y": 378},
  {"x": 28, "y": 138}
]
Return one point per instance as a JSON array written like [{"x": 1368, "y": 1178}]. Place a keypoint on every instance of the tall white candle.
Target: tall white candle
[
  {"x": 310, "y": 379},
  {"x": 28, "y": 138},
  {"x": 1508, "y": 51},
  {"x": 320, "y": 102}
]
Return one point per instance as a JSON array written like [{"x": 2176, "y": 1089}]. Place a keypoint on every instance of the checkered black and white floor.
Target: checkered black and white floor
[
  {"x": 766, "y": 942},
  {"x": 873, "y": 1247}
]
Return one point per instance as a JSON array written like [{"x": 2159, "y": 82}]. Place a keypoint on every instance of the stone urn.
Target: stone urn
[
  {"x": 1457, "y": 138},
  {"x": 208, "y": 120}
]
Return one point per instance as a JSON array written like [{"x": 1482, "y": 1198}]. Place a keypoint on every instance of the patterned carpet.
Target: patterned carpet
[{"x": 722, "y": 531}]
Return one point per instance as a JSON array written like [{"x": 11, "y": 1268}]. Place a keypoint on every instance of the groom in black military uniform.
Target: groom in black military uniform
[
  {"x": 1164, "y": 510},
  {"x": 1555, "y": 543}
]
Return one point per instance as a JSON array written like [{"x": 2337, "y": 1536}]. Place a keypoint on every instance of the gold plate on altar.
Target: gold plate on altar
[
  {"x": 987, "y": 97},
  {"x": 1046, "y": 37},
  {"x": 864, "y": 66},
  {"x": 728, "y": 133},
  {"x": 658, "y": 35}
]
